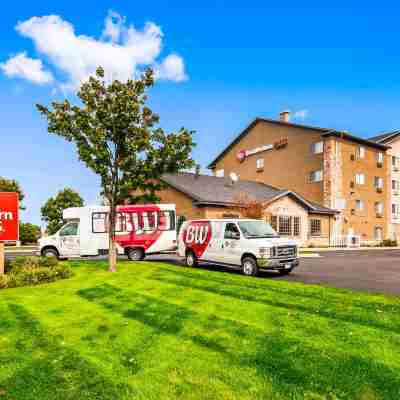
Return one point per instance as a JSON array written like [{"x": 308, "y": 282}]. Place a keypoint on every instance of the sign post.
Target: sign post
[{"x": 9, "y": 224}]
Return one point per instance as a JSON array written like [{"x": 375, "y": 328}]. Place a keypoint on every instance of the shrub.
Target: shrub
[
  {"x": 3, "y": 281},
  {"x": 28, "y": 271},
  {"x": 388, "y": 243},
  {"x": 48, "y": 262}
]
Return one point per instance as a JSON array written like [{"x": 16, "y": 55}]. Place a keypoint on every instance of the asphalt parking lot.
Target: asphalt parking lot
[{"x": 366, "y": 270}]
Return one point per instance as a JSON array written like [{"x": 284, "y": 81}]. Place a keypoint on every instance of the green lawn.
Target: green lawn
[{"x": 157, "y": 331}]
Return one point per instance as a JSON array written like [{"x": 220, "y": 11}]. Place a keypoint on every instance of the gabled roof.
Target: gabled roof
[
  {"x": 386, "y": 138},
  {"x": 324, "y": 132},
  {"x": 206, "y": 190}
]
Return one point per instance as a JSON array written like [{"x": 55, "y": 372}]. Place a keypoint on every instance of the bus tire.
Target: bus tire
[
  {"x": 50, "y": 252},
  {"x": 190, "y": 259},
  {"x": 135, "y": 254}
]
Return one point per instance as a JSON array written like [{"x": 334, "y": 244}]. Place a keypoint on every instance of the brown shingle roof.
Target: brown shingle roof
[
  {"x": 385, "y": 137},
  {"x": 206, "y": 190}
]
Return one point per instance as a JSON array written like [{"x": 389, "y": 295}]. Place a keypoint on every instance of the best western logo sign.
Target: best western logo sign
[
  {"x": 8, "y": 216},
  {"x": 242, "y": 154}
]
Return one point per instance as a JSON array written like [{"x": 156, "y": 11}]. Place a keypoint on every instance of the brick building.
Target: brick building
[
  {"x": 393, "y": 181},
  {"x": 334, "y": 169}
]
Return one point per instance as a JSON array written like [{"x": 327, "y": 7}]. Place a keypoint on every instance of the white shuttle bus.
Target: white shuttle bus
[{"x": 140, "y": 230}]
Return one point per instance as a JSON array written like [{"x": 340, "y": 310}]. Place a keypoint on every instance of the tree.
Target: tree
[
  {"x": 28, "y": 233},
  {"x": 117, "y": 137},
  {"x": 11, "y": 185},
  {"x": 52, "y": 211},
  {"x": 249, "y": 207}
]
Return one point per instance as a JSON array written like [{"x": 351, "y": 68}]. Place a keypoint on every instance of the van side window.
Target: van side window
[
  {"x": 231, "y": 231},
  {"x": 99, "y": 223},
  {"x": 69, "y": 230},
  {"x": 166, "y": 220}
]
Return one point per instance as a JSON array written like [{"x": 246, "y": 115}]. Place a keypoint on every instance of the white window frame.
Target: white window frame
[
  {"x": 360, "y": 205},
  {"x": 259, "y": 163},
  {"x": 379, "y": 207},
  {"x": 361, "y": 152},
  {"x": 380, "y": 230},
  {"x": 380, "y": 157},
  {"x": 378, "y": 182},
  {"x": 318, "y": 147},
  {"x": 360, "y": 178},
  {"x": 220, "y": 173},
  {"x": 316, "y": 176}
]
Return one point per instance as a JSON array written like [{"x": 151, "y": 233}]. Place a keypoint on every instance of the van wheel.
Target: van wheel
[
  {"x": 284, "y": 272},
  {"x": 191, "y": 259},
  {"x": 50, "y": 253},
  {"x": 249, "y": 266},
  {"x": 135, "y": 254}
]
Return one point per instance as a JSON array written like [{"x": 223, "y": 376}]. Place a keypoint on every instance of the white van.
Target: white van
[
  {"x": 248, "y": 243},
  {"x": 140, "y": 230}
]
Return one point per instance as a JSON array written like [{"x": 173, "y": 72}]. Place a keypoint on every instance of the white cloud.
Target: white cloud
[
  {"x": 123, "y": 51},
  {"x": 172, "y": 68},
  {"x": 301, "y": 114},
  {"x": 21, "y": 66}
]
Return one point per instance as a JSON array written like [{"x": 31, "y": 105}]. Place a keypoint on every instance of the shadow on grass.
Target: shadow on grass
[
  {"x": 49, "y": 370},
  {"x": 320, "y": 293},
  {"x": 352, "y": 315},
  {"x": 293, "y": 366}
]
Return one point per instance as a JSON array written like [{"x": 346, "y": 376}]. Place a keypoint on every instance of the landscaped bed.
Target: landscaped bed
[{"x": 157, "y": 331}]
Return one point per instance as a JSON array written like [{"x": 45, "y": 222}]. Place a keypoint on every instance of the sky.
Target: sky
[{"x": 218, "y": 65}]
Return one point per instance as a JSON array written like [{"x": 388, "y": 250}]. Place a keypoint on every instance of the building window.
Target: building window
[
  {"x": 317, "y": 148},
  {"x": 274, "y": 222},
  {"x": 395, "y": 185},
  {"x": 395, "y": 161},
  {"x": 285, "y": 225},
  {"x": 260, "y": 164},
  {"x": 379, "y": 158},
  {"x": 379, "y": 208},
  {"x": 296, "y": 226},
  {"x": 359, "y": 205},
  {"x": 361, "y": 152},
  {"x": 395, "y": 209},
  {"x": 378, "y": 233},
  {"x": 378, "y": 182},
  {"x": 360, "y": 179},
  {"x": 315, "y": 227},
  {"x": 219, "y": 173},
  {"x": 316, "y": 176}
]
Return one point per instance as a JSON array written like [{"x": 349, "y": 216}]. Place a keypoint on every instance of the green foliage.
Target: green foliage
[
  {"x": 52, "y": 211},
  {"x": 388, "y": 243},
  {"x": 11, "y": 185},
  {"x": 28, "y": 271},
  {"x": 28, "y": 233},
  {"x": 179, "y": 223},
  {"x": 116, "y": 136}
]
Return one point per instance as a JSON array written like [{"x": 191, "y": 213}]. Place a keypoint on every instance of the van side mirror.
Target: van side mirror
[{"x": 235, "y": 235}]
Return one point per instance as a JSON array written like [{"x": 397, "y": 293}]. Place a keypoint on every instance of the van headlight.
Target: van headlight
[{"x": 264, "y": 251}]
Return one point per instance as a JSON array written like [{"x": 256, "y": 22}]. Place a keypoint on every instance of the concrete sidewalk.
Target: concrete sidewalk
[{"x": 321, "y": 249}]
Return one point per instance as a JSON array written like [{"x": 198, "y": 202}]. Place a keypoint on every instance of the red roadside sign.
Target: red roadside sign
[{"x": 9, "y": 224}]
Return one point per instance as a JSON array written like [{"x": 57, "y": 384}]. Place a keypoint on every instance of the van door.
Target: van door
[
  {"x": 69, "y": 240},
  {"x": 231, "y": 249}
]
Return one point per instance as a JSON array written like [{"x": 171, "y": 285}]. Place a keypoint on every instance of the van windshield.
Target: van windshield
[{"x": 257, "y": 229}]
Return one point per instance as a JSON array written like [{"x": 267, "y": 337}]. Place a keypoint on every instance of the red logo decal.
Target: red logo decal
[
  {"x": 197, "y": 236},
  {"x": 241, "y": 155}
]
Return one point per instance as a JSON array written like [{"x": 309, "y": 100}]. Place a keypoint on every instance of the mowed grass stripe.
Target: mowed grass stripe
[{"x": 289, "y": 363}]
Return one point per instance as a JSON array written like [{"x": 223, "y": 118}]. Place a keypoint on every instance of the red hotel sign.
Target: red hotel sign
[
  {"x": 8, "y": 216},
  {"x": 280, "y": 144}
]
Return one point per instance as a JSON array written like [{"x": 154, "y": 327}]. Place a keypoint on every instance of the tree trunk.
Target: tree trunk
[{"x": 112, "y": 249}]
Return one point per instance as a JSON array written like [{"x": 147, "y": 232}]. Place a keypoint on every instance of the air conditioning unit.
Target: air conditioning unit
[
  {"x": 395, "y": 192},
  {"x": 352, "y": 184},
  {"x": 352, "y": 157},
  {"x": 379, "y": 164},
  {"x": 396, "y": 169},
  {"x": 379, "y": 215},
  {"x": 353, "y": 211},
  {"x": 379, "y": 189}
]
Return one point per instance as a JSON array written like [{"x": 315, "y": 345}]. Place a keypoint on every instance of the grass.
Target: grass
[{"x": 157, "y": 331}]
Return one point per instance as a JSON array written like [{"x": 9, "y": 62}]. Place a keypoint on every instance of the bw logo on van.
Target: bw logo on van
[
  {"x": 197, "y": 236},
  {"x": 8, "y": 216}
]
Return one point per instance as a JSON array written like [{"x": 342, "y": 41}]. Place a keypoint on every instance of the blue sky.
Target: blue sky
[{"x": 234, "y": 62}]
